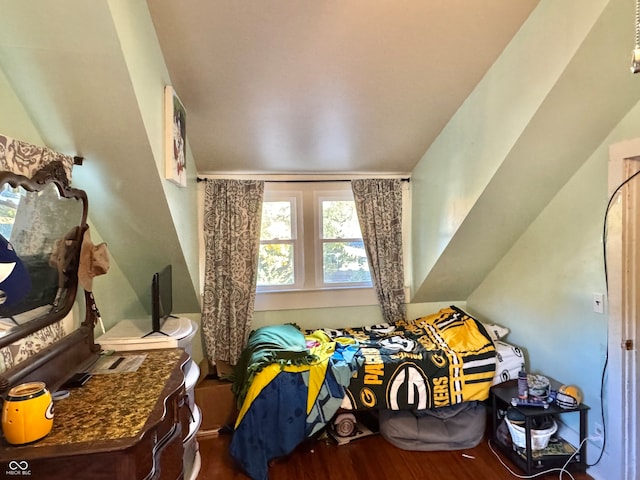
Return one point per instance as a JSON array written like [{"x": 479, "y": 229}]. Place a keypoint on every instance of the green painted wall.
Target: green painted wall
[
  {"x": 457, "y": 169},
  {"x": 14, "y": 120},
  {"x": 149, "y": 76},
  {"x": 542, "y": 289},
  {"x": 113, "y": 294}
]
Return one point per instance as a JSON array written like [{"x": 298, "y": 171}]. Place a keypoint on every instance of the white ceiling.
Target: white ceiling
[{"x": 355, "y": 86}]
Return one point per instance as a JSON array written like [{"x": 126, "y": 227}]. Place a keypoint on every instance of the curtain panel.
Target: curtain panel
[
  {"x": 232, "y": 216},
  {"x": 379, "y": 207}
]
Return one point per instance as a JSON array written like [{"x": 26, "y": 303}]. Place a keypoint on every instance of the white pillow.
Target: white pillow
[{"x": 496, "y": 332}]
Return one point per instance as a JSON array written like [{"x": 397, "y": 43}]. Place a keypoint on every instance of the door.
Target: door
[{"x": 622, "y": 244}]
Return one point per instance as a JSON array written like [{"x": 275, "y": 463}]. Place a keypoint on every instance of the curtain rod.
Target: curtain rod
[{"x": 403, "y": 179}]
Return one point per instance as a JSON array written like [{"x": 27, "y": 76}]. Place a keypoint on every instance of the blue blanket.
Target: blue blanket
[
  {"x": 279, "y": 418},
  {"x": 284, "y": 344}
]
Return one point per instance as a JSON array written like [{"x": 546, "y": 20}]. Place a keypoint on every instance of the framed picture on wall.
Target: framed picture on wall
[{"x": 175, "y": 138}]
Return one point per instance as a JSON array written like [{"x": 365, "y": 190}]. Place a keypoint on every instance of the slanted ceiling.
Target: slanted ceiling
[
  {"x": 85, "y": 72},
  {"x": 472, "y": 98},
  {"x": 551, "y": 99}
]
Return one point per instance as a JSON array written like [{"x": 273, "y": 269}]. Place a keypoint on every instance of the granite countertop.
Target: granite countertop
[{"x": 111, "y": 406}]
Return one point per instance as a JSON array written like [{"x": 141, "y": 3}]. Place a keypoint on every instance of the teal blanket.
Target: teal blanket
[{"x": 283, "y": 344}]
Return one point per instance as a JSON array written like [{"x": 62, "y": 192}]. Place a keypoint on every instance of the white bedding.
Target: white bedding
[{"x": 509, "y": 360}]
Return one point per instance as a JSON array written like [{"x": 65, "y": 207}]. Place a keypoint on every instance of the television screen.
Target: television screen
[{"x": 161, "y": 298}]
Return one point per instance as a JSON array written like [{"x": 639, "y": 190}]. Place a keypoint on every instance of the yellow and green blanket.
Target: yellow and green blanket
[
  {"x": 290, "y": 385},
  {"x": 434, "y": 361}
]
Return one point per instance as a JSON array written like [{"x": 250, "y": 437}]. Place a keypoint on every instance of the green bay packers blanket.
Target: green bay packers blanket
[
  {"x": 435, "y": 361},
  {"x": 289, "y": 385}
]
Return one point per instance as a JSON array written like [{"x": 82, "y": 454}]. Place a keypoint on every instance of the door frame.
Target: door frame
[{"x": 622, "y": 241}]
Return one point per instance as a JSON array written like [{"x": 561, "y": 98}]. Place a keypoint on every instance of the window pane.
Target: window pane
[
  {"x": 339, "y": 219},
  {"x": 345, "y": 262},
  {"x": 9, "y": 200},
  {"x": 275, "y": 264},
  {"x": 276, "y": 221}
]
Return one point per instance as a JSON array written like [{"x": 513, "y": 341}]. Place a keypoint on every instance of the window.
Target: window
[
  {"x": 342, "y": 256},
  {"x": 9, "y": 200},
  {"x": 280, "y": 254},
  {"x": 294, "y": 272},
  {"x": 310, "y": 243}
]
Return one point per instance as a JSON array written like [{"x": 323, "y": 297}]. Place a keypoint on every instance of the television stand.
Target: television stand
[{"x": 136, "y": 334}]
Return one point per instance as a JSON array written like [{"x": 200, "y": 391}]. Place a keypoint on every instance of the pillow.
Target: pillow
[
  {"x": 458, "y": 427},
  {"x": 496, "y": 332}
]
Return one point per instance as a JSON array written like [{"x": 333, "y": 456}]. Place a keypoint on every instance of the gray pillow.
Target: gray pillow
[{"x": 448, "y": 428}]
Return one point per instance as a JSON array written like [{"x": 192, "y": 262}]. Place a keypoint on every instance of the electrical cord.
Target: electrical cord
[
  {"x": 606, "y": 281},
  {"x": 602, "y": 419},
  {"x": 606, "y": 217},
  {"x": 561, "y": 470}
]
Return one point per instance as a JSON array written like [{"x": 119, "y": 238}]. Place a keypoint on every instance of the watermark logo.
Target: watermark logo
[{"x": 18, "y": 468}]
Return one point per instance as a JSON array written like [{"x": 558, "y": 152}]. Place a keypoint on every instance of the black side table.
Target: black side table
[{"x": 501, "y": 396}]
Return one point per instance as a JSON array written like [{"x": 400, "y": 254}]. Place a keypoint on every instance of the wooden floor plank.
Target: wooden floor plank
[{"x": 367, "y": 458}]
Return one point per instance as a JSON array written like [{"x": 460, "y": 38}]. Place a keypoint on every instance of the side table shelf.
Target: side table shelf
[{"x": 532, "y": 461}]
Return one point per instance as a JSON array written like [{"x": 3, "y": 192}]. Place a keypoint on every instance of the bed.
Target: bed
[{"x": 290, "y": 384}]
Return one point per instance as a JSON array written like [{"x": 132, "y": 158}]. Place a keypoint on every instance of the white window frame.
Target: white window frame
[
  {"x": 297, "y": 237},
  {"x": 318, "y": 197},
  {"x": 319, "y": 298},
  {"x": 313, "y": 293}
]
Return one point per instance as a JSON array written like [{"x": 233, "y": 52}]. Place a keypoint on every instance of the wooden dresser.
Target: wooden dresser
[{"x": 117, "y": 426}]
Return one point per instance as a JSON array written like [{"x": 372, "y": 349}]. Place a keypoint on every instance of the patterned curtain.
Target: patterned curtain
[
  {"x": 379, "y": 206},
  {"x": 232, "y": 215}
]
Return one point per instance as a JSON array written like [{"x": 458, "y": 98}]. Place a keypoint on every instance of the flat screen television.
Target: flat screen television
[{"x": 161, "y": 299}]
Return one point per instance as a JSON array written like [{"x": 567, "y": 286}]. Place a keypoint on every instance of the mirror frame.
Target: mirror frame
[
  {"x": 77, "y": 348},
  {"x": 52, "y": 173}
]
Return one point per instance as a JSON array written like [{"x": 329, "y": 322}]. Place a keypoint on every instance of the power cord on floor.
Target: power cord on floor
[{"x": 561, "y": 470}]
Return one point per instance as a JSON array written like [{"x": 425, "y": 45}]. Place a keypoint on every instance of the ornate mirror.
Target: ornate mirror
[{"x": 42, "y": 222}]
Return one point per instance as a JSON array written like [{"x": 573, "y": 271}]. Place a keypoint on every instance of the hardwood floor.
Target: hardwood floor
[{"x": 367, "y": 458}]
